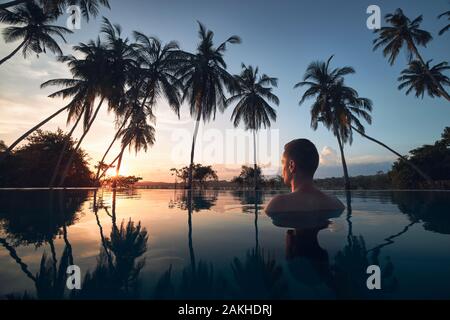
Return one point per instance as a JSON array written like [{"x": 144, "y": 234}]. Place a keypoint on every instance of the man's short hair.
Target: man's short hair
[{"x": 304, "y": 154}]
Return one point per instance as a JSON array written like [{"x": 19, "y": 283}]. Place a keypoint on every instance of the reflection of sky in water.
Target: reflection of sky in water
[{"x": 223, "y": 229}]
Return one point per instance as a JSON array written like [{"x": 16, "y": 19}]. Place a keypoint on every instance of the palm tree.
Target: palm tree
[
  {"x": 88, "y": 84},
  {"x": 155, "y": 66},
  {"x": 203, "y": 76},
  {"x": 33, "y": 28},
  {"x": 253, "y": 95},
  {"x": 447, "y": 27},
  {"x": 326, "y": 87},
  {"x": 57, "y": 7},
  {"x": 115, "y": 58},
  {"x": 416, "y": 78},
  {"x": 138, "y": 134},
  {"x": 404, "y": 32},
  {"x": 82, "y": 88},
  {"x": 338, "y": 108}
]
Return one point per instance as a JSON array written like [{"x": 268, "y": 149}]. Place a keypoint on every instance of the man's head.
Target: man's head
[{"x": 300, "y": 160}]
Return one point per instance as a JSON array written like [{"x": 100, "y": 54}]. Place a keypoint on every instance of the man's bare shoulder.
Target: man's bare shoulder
[
  {"x": 277, "y": 203},
  {"x": 332, "y": 202},
  {"x": 304, "y": 201}
]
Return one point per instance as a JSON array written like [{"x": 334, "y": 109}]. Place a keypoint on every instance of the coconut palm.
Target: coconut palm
[
  {"x": 139, "y": 134},
  {"x": 155, "y": 66},
  {"x": 253, "y": 95},
  {"x": 338, "y": 107},
  {"x": 324, "y": 85},
  {"x": 447, "y": 27},
  {"x": 204, "y": 77},
  {"x": 416, "y": 78},
  {"x": 57, "y": 7},
  {"x": 116, "y": 61},
  {"x": 88, "y": 84},
  {"x": 346, "y": 108},
  {"x": 404, "y": 32},
  {"x": 33, "y": 28},
  {"x": 83, "y": 88}
]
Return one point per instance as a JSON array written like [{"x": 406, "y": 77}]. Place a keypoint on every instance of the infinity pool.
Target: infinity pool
[{"x": 166, "y": 244}]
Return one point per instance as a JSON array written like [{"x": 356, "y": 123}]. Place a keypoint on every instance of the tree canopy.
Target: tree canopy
[{"x": 33, "y": 164}]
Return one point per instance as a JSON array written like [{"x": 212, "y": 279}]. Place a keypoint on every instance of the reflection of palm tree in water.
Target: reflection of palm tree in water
[
  {"x": 346, "y": 276},
  {"x": 350, "y": 265},
  {"x": 258, "y": 276},
  {"x": 118, "y": 268},
  {"x": 255, "y": 198},
  {"x": 348, "y": 197},
  {"x": 49, "y": 282},
  {"x": 17, "y": 259},
  {"x": 191, "y": 245}
]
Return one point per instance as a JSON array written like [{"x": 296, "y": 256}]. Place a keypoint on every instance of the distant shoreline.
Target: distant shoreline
[{"x": 213, "y": 189}]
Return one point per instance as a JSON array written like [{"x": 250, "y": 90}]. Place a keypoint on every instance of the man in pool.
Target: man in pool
[{"x": 299, "y": 163}]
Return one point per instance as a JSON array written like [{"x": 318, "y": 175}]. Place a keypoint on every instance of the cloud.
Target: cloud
[{"x": 328, "y": 156}]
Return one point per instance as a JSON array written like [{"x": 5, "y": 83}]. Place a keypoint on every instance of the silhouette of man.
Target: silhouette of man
[{"x": 299, "y": 163}]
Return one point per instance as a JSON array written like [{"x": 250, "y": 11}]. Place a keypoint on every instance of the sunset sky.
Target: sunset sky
[{"x": 282, "y": 38}]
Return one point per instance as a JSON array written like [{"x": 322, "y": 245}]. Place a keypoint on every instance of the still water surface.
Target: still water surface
[{"x": 157, "y": 244}]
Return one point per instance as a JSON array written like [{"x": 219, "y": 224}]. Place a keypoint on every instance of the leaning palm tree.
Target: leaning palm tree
[
  {"x": 153, "y": 78},
  {"x": 416, "y": 78},
  {"x": 253, "y": 95},
  {"x": 447, "y": 27},
  {"x": 83, "y": 88},
  {"x": 404, "y": 32},
  {"x": 115, "y": 58},
  {"x": 89, "y": 83},
  {"x": 204, "y": 77},
  {"x": 321, "y": 82},
  {"x": 88, "y": 7},
  {"x": 139, "y": 134},
  {"x": 33, "y": 28},
  {"x": 346, "y": 109}
]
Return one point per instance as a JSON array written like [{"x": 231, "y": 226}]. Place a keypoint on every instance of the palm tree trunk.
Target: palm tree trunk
[
  {"x": 63, "y": 151},
  {"x": 9, "y": 56},
  {"x": 69, "y": 163},
  {"x": 12, "y": 3},
  {"x": 26, "y": 134},
  {"x": 109, "y": 166},
  {"x": 109, "y": 148},
  {"x": 254, "y": 160},
  {"x": 129, "y": 113},
  {"x": 344, "y": 163},
  {"x": 194, "y": 137},
  {"x": 412, "y": 165},
  {"x": 436, "y": 83},
  {"x": 118, "y": 166}
]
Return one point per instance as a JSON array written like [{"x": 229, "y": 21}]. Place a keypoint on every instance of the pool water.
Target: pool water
[{"x": 172, "y": 244}]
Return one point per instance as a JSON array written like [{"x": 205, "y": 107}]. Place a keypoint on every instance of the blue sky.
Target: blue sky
[{"x": 282, "y": 38}]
